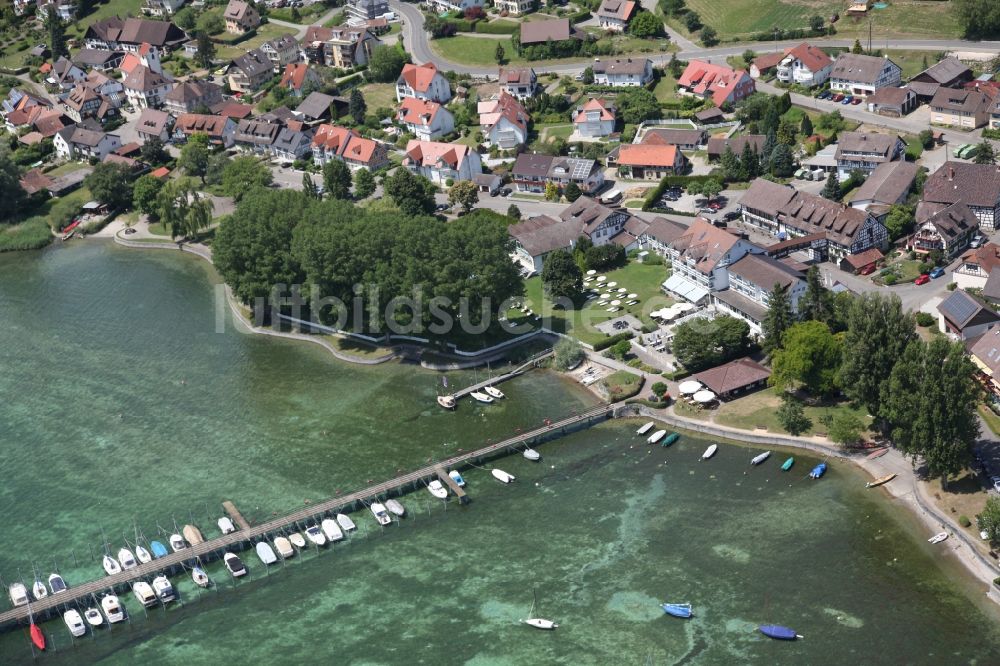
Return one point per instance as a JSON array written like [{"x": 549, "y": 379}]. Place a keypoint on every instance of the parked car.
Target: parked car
[
  {"x": 441, "y": 207},
  {"x": 826, "y": 94},
  {"x": 976, "y": 242},
  {"x": 731, "y": 215},
  {"x": 936, "y": 273},
  {"x": 715, "y": 205},
  {"x": 838, "y": 97},
  {"x": 847, "y": 100},
  {"x": 996, "y": 483},
  {"x": 868, "y": 270},
  {"x": 923, "y": 279},
  {"x": 505, "y": 192},
  {"x": 855, "y": 101}
]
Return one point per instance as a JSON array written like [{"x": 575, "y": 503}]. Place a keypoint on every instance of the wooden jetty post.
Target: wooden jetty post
[
  {"x": 235, "y": 514},
  {"x": 450, "y": 482}
]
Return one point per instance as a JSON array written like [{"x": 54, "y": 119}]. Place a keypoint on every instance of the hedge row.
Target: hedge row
[
  {"x": 677, "y": 374},
  {"x": 487, "y": 28},
  {"x": 612, "y": 340},
  {"x": 579, "y": 17}
]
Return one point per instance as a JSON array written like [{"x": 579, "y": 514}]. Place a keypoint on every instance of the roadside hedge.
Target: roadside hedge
[
  {"x": 487, "y": 28},
  {"x": 613, "y": 339},
  {"x": 677, "y": 374}
]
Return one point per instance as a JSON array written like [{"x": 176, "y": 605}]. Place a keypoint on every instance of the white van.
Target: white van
[{"x": 614, "y": 196}]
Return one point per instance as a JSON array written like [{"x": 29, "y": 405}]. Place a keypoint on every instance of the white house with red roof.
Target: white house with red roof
[
  {"x": 425, "y": 119},
  {"x": 332, "y": 142},
  {"x": 644, "y": 161},
  {"x": 615, "y": 14},
  {"x": 805, "y": 65},
  {"x": 441, "y": 162},
  {"x": 296, "y": 76},
  {"x": 423, "y": 82},
  {"x": 504, "y": 122},
  {"x": 719, "y": 83},
  {"x": 594, "y": 119}
]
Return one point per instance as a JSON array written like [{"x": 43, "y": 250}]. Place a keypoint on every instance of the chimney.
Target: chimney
[{"x": 951, "y": 173}]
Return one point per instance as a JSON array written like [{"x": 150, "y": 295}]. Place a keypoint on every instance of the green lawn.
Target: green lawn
[
  {"x": 159, "y": 229},
  {"x": 65, "y": 168},
  {"x": 265, "y": 32},
  {"x": 379, "y": 95},
  {"x": 666, "y": 88},
  {"x": 760, "y": 409},
  {"x": 110, "y": 8},
  {"x": 306, "y": 14},
  {"x": 630, "y": 44},
  {"x": 548, "y": 133},
  {"x": 475, "y": 50}
]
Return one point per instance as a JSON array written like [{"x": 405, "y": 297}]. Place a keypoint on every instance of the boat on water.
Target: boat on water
[
  {"x": 159, "y": 550},
  {"x": 297, "y": 540},
  {"x": 199, "y": 577},
  {"x": 656, "y": 436},
  {"x": 457, "y": 478},
  {"x": 127, "y": 559},
  {"x": 877, "y": 453},
  {"x": 447, "y": 401},
  {"x": 346, "y": 523},
  {"x": 710, "y": 451},
  {"x": 778, "y": 632},
  {"x": 880, "y": 481},
  {"x": 111, "y": 566},
  {"x": 677, "y": 610},
  {"x": 57, "y": 584},
  {"x": 671, "y": 438},
  {"x": 437, "y": 489},
  {"x": 112, "y": 608},
  {"x": 540, "y": 623},
  {"x": 787, "y": 465},
  {"x": 818, "y": 471},
  {"x": 164, "y": 590},
  {"x": 234, "y": 564},
  {"x": 284, "y": 547},
  {"x": 226, "y": 525},
  {"x": 144, "y": 593},
  {"x": 938, "y": 538},
  {"x": 93, "y": 617},
  {"x": 177, "y": 542},
  {"x": 265, "y": 553},
  {"x": 331, "y": 530},
  {"x": 37, "y": 637},
  {"x": 143, "y": 555},
  {"x": 532, "y": 454},
  {"x": 378, "y": 510},
  {"x": 646, "y": 428},
  {"x": 192, "y": 535},
  {"x": 758, "y": 459},
  {"x": 481, "y": 397},
  {"x": 395, "y": 507},
  {"x": 502, "y": 476},
  {"x": 18, "y": 594},
  {"x": 74, "y": 622},
  {"x": 39, "y": 591},
  {"x": 494, "y": 392},
  {"x": 315, "y": 534}
]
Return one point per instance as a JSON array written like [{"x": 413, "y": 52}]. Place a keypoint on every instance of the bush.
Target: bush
[
  {"x": 652, "y": 259},
  {"x": 612, "y": 339},
  {"x": 663, "y": 404},
  {"x": 951, "y": 286},
  {"x": 568, "y": 353},
  {"x": 964, "y": 521},
  {"x": 677, "y": 375},
  {"x": 890, "y": 279},
  {"x": 659, "y": 388},
  {"x": 32, "y": 234},
  {"x": 496, "y": 28},
  {"x": 925, "y": 319}
]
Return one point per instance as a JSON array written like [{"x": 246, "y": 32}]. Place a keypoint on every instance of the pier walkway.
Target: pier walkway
[
  {"x": 83, "y": 595},
  {"x": 530, "y": 363}
]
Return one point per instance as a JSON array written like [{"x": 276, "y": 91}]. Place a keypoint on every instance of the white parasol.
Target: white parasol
[
  {"x": 633, "y": 295},
  {"x": 612, "y": 284},
  {"x": 616, "y": 302},
  {"x": 704, "y": 396},
  {"x": 602, "y": 278},
  {"x": 689, "y": 387},
  {"x": 591, "y": 272}
]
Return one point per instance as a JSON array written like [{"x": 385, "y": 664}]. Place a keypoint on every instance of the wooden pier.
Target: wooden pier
[
  {"x": 236, "y": 516},
  {"x": 530, "y": 363},
  {"x": 457, "y": 490},
  {"x": 82, "y": 595}
]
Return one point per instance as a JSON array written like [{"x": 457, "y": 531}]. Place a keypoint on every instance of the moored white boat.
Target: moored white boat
[
  {"x": 502, "y": 476},
  {"x": 93, "y": 617},
  {"x": 39, "y": 591},
  {"x": 234, "y": 564},
  {"x": 710, "y": 451},
  {"x": 265, "y": 553},
  {"x": 164, "y": 590},
  {"x": 494, "y": 392},
  {"x": 481, "y": 397},
  {"x": 395, "y": 507},
  {"x": 192, "y": 535},
  {"x": 74, "y": 622},
  {"x": 143, "y": 555},
  {"x": 446, "y": 401},
  {"x": 646, "y": 428},
  {"x": 113, "y": 610},
  {"x": 656, "y": 436},
  {"x": 315, "y": 534},
  {"x": 111, "y": 566},
  {"x": 57, "y": 584},
  {"x": 177, "y": 542},
  {"x": 284, "y": 547},
  {"x": 18, "y": 594},
  {"x": 938, "y": 538},
  {"x": 532, "y": 454},
  {"x": 127, "y": 559},
  {"x": 297, "y": 540},
  {"x": 457, "y": 478},
  {"x": 758, "y": 459},
  {"x": 345, "y": 522},
  {"x": 378, "y": 510},
  {"x": 331, "y": 530},
  {"x": 226, "y": 525},
  {"x": 540, "y": 623},
  {"x": 144, "y": 593},
  {"x": 437, "y": 489},
  {"x": 199, "y": 577}
]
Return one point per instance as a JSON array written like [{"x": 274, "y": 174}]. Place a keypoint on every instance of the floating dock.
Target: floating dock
[
  {"x": 458, "y": 490},
  {"x": 237, "y": 517}
]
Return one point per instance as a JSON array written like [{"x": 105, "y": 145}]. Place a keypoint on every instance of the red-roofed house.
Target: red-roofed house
[
  {"x": 162, "y": 173},
  {"x": 805, "y": 65},
  {"x": 615, "y": 14},
  {"x": 718, "y": 83},
  {"x": 520, "y": 82},
  {"x": 219, "y": 129},
  {"x": 440, "y": 162},
  {"x": 594, "y": 119},
  {"x": 423, "y": 82},
  {"x": 425, "y": 119},
  {"x": 335, "y": 142},
  {"x": 504, "y": 122},
  {"x": 296, "y": 76},
  {"x": 650, "y": 161}
]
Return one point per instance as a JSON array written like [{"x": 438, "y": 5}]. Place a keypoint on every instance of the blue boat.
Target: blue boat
[
  {"x": 671, "y": 438},
  {"x": 677, "y": 610},
  {"x": 778, "y": 632},
  {"x": 788, "y": 464},
  {"x": 159, "y": 550},
  {"x": 818, "y": 471}
]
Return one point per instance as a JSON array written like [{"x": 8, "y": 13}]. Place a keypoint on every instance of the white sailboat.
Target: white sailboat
[
  {"x": 199, "y": 577},
  {"x": 143, "y": 555},
  {"x": 481, "y": 397},
  {"x": 345, "y": 522},
  {"x": 332, "y": 530},
  {"x": 502, "y": 476},
  {"x": 437, "y": 489},
  {"x": 378, "y": 510},
  {"x": 395, "y": 507},
  {"x": 538, "y": 622},
  {"x": 646, "y": 428},
  {"x": 494, "y": 392},
  {"x": 111, "y": 566},
  {"x": 284, "y": 547},
  {"x": 39, "y": 591},
  {"x": 710, "y": 451},
  {"x": 127, "y": 559},
  {"x": 112, "y": 608}
]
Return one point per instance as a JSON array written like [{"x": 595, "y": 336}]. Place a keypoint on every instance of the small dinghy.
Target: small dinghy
[
  {"x": 787, "y": 465},
  {"x": 284, "y": 547},
  {"x": 378, "y": 510},
  {"x": 671, "y": 438},
  {"x": 437, "y": 489},
  {"x": 502, "y": 476},
  {"x": 57, "y": 584},
  {"x": 144, "y": 593},
  {"x": 127, "y": 559},
  {"x": 938, "y": 538},
  {"x": 494, "y": 392},
  {"x": 39, "y": 591},
  {"x": 331, "y": 530},
  {"x": 159, "y": 550},
  {"x": 143, "y": 555},
  {"x": 758, "y": 459},
  {"x": 112, "y": 608},
  {"x": 778, "y": 632},
  {"x": 656, "y": 436},
  {"x": 677, "y": 610},
  {"x": 164, "y": 590},
  {"x": 818, "y": 471},
  {"x": 481, "y": 397},
  {"x": 446, "y": 401},
  {"x": 74, "y": 622},
  {"x": 877, "y": 453},
  {"x": 710, "y": 451},
  {"x": 646, "y": 428},
  {"x": 199, "y": 577},
  {"x": 111, "y": 566},
  {"x": 234, "y": 564},
  {"x": 457, "y": 478},
  {"x": 346, "y": 523},
  {"x": 880, "y": 481},
  {"x": 540, "y": 623},
  {"x": 37, "y": 637},
  {"x": 532, "y": 454},
  {"x": 315, "y": 534},
  {"x": 93, "y": 617},
  {"x": 192, "y": 535},
  {"x": 226, "y": 525},
  {"x": 177, "y": 542},
  {"x": 266, "y": 553},
  {"x": 18, "y": 594},
  {"x": 395, "y": 508},
  {"x": 297, "y": 540}
]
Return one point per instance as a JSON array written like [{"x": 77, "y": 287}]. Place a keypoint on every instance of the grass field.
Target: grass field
[
  {"x": 379, "y": 95},
  {"x": 475, "y": 50},
  {"x": 666, "y": 88},
  {"x": 265, "y": 32},
  {"x": 760, "y": 409}
]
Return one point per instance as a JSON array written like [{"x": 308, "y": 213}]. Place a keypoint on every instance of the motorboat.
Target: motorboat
[
  {"x": 93, "y": 617},
  {"x": 18, "y": 594},
  {"x": 656, "y": 436},
  {"x": 494, "y": 392},
  {"x": 192, "y": 535},
  {"x": 113, "y": 610},
  {"x": 39, "y": 591},
  {"x": 437, "y": 489},
  {"x": 502, "y": 476},
  {"x": 265, "y": 553},
  {"x": 199, "y": 577},
  {"x": 778, "y": 632},
  {"x": 646, "y": 428},
  {"x": 127, "y": 559},
  {"x": 315, "y": 534},
  {"x": 111, "y": 566},
  {"x": 177, "y": 542},
  {"x": 144, "y": 593},
  {"x": 818, "y": 471},
  {"x": 540, "y": 623},
  {"x": 938, "y": 538},
  {"x": 74, "y": 622},
  {"x": 457, "y": 478},
  {"x": 164, "y": 590},
  {"x": 297, "y": 540},
  {"x": 787, "y": 465},
  {"x": 446, "y": 401},
  {"x": 346, "y": 523},
  {"x": 710, "y": 451},
  {"x": 531, "y": 454},
  {"x": 143, "y": 555},
  {"x": 226, "y": 525},
  {"x": 758, "y": 459},
  {"x": 159, "y": 550},
  {"x": 880, "y": 481},
  {"x": 378, "y": 510},
  {"x": 481, "y": 397},
  {"x": 235, "y": 565},
  {"x": 284, "y": 547},
  {"x": 677, "y": 610},
  {"x": 37, "y": 637},
  {"x": 57, "y": 584},
  {"x": 331, "y": 530},
  {"x": 395, "y": 507},
  {"x": 671, "y": 438}
]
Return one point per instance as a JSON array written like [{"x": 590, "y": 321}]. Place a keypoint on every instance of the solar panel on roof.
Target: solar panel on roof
[{"x": 959, "y": 307}]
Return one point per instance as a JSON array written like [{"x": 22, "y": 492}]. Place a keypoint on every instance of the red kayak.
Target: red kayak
[{"x": 37, "y": 637}]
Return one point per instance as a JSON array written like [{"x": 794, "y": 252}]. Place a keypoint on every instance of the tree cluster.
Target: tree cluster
[{"x": 700, "y": 344}]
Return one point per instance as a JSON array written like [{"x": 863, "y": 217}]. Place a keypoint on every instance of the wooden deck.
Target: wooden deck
[
  {"x": 530, "y": 363},
  {"x": 243, "y": 538},
  {"x": 235, "y": 515}
]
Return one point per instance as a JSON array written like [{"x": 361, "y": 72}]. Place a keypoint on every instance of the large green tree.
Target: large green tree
[
  {"x": 357, "y": 107},
  {"x": 153, "y": 152},
  {"x": 56, "y": 29},
  {"x": 10, "y": 186},
  {"x": 637, "y": 105},
  {"x": 701, "y": 343},
  {"x": 989, "y": 519},
  {"x": 194, "y": 156},
  {"x": 778, "y": 320},
  {"x": 244, "y": 174},
  {"x": 465, "y": 194},
  {"x": 110, "y": 184},
  {"x": 411, "y": 193},
  {"x": 792, "y": 416},
  {"x": 809, "y": 359},
  {"x": 183, "y": 209},
  {"x": 144, "y": 195},
  {"x": 364, "y": 183},
  {"x": 561, "y": 276},
  {"x": 645, "y": 24},
  {"x": 337, "y": 179},
  {"x": 978, "y": 18},
  {"x": 816, "y": 303},
  {"x": 206, "y": 50},
  {"x": 899, "y": 221},
  {"x": 386, "y": 63}
]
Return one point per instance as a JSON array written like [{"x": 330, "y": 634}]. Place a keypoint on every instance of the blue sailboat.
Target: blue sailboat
[
  {"x": 778, "y": 632},
  {"x": 677, "y": 610},
  {"x": 159, "y": 550},
  {"x": 818, "y": 471}
]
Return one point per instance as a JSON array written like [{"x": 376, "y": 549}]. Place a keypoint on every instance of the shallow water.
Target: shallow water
[{"x": 124, "y": 410}]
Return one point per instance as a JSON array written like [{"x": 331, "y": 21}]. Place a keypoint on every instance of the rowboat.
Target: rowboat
[
  {"x": 758, "y": 459},
  {"x": 284, "y": 547},
  {"x": 437, "y": 489},
  {"x": 345, "y": 523},
  {"x": 192, "y": 534},
  {"x": 881, "y": 480},
  {"x": 656, "y": 436},
  {"x": 502, "y": 476},
  {"x": 395, "y": 507},
  {"x": 481, "y": 397},
  {"x": 37, "y": 637},
  {"x": 787, "y": 465},
  {"x": 877, "y": 453},
  {"x": 779, "y": 632},
  {"x": 671, "y": 438},
  {"x": 494, "y": 392},
  {"x": 710, "y": 451},
  {"x": 938, "y": 538},
  {"x": 532, "y": 454},
  {"x": 818, "y": 471},
  {"x": 159, "y": 550},
  {"x": 646, "y": 428},
  {"x": 457, "y": 478},
  {"x": 539, "y": 623},
  {"x": 199, "y": 577},
  {"x": 677, "y": 610},
  {"x": 446, "y": 401}
]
